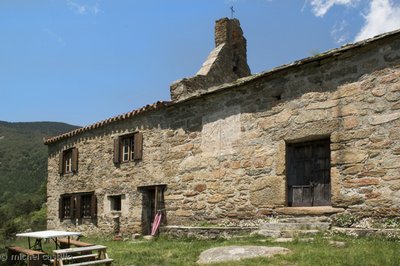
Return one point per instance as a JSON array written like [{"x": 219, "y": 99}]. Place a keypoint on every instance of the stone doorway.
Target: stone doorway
[
  {"x": 152, "y": 202},
  {"x": 308, "y": 173}
]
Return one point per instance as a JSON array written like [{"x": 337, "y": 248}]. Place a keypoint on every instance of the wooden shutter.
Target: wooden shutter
[
  {"x": 61, "y": 163},
  {"x": 117, "y": 153},
  {"x": 138, "y": 146},
  {"x": 74, "y": 160},
  {"x": 77, "y": 213},
  {"x": 93, "y": 206},
  {"x": 60, "y": 208}
]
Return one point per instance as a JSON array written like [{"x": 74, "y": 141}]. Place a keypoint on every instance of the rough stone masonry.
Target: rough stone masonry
[
  {"x": 221, "y": 149},
  {"x": 226, "y": 63}
]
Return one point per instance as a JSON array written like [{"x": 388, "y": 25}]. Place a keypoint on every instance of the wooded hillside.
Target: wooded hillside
[{"x": 23, "y": 171}]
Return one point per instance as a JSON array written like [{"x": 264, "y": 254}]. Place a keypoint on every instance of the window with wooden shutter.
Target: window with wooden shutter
[
  {"x": 65, "y": 207},
  {"x": 60, "y": 208},
  {"x": 68, "y": 207},
  {"x": 117, "y": 155},
  {"x": 93, "y": 206},
  {"x": 127, "y": 145},
  {"x": 74, "y": 160},
  {"x": 128, "y": 148},
  {"x": 86, "y": 205},
  {"x": 68, "y": 162},
  {"x": 71, "y": 207},
  {"x": 138, "y": 148},
  {"x": 61, "y": 163},
  {"x": 78, "y": 206}
]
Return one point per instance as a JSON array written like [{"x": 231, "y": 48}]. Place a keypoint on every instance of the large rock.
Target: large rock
[
  {"x": 381, "y": 119},
  {"x": 268, "y": 191},
  {"x": 311, "y": 116},
  {"x": 348, "y": 156},
  {"x": 232, "y": 253}
]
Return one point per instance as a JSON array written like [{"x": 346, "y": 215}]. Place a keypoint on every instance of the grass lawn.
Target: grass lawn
[{"x": 164, "y": 251}]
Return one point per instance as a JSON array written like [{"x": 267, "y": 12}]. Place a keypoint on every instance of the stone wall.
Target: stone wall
[
  {"x": 226, "y": 63},
  {"x": 222, "y": 155}
]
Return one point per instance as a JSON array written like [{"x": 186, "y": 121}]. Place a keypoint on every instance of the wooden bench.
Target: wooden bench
[
  {"x": 79, "y": 256},
  {"x": 66, "y": 243},
  {"x": 33, "y": 257},
  {"x": 94, "y": 262}
]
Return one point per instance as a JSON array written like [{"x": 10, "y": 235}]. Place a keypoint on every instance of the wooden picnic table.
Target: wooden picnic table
[
  {"x": 48, "y": 234},
  {"x": 82, "y": 256},
  {"x": 67, "y": 242},
  {"x": 16, "y": 254},
  {"x": 34, "y": 255}
]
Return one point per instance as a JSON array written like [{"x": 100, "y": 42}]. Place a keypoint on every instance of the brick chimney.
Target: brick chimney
[{"x": 226, "y": 63}]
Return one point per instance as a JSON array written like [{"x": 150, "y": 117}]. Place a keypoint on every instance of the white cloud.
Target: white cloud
[
  {"x": 382, "y": 16},
  {"x": 83, "y": 9},
  {"x": 321, "y": 7},
  {"x": 339, "y": 33}
]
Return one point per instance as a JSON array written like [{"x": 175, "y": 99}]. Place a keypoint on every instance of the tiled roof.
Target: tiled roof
[
  {"x": 149, "y": 107},
  {"x": 237, "y": 83}
]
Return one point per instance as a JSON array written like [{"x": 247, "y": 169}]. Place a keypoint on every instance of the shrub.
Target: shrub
[
  {"x": 344, "y": 220},
  {"x": 392, "y": 222},
  {"x": 10, "y": 229}
]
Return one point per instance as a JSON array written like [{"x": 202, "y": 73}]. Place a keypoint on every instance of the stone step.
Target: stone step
[
  {"x": 295, "y": 226},
  {"x": 287, "y": 233},
  {"x": 305, "y": 219},
  {"x": 308, "y": 211}
]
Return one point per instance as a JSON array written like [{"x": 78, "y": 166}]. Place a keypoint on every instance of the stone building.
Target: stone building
[{"x": 230, "y": 146}]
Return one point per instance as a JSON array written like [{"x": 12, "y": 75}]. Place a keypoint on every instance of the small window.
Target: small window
[
  {"x": 128, "y": 148},
  {"x": 86, "y": 205},
  {"x": 115, "y": 203},
  {"x": 66, "y": 207},
  {"x": 78, "y": 206},
  {"x": 68, "y": 161}
]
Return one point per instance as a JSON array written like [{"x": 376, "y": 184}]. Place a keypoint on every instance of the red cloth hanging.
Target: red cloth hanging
[{"x": 156, "y": 224}]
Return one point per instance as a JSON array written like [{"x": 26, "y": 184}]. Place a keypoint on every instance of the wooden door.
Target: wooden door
[
  {"x": 153, "y": 202},
  {"x": 308, "y": 170},
  {"x": 148, "y": 213}
]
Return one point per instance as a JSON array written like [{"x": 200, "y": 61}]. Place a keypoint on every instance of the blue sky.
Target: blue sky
[{"x": 80, "y": 62}]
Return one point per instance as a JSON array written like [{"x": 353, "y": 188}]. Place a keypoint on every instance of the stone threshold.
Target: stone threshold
[{"x": 301, "y": 211}]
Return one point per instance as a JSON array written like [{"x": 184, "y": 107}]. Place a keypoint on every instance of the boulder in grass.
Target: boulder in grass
[{"x": 232, "y": 253}]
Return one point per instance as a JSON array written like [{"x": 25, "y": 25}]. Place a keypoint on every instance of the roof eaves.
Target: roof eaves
[{"x": 149, "y": 107}]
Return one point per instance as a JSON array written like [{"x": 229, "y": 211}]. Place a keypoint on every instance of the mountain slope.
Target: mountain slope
[
  {"x": 23, "y": 167},
  {"x": 23, "y": 156}
]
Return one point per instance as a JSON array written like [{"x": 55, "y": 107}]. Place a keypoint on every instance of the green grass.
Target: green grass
[{"x": 164, "y": 251}]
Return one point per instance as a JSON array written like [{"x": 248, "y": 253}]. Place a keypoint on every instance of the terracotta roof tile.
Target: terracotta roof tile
[{"x": 149, "y": 107}]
